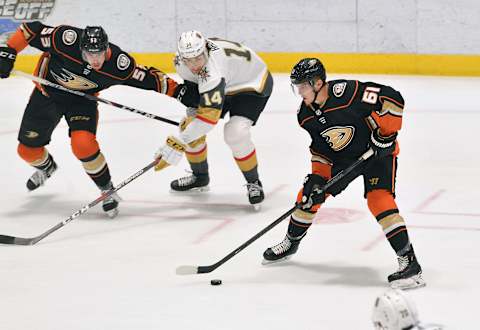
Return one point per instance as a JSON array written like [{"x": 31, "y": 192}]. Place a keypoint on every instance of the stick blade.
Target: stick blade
[
  {"x": 186, "y": 270},
  {"x": 5, "y": 239}
]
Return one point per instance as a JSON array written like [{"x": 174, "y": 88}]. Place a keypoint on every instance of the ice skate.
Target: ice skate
[
  {"x": 191, "y": 183},
  {"x": 282, "y": 251},
  {"x": 409, "y": 273},
  {"x": 110, "y": 204},
  {"x": 255, "y": 194},
  {"x": 40, "y": 176}
]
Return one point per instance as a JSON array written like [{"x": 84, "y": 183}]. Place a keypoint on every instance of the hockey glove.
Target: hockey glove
[
  {"x": 310, "y": 195},
  {"x": 170, "y": 154},
  {"x": 187, "y": 93},
  {"x": 382, "y": 145},
  {"x": 191, "y": 112},
  {"x": 7, "y": 59}
]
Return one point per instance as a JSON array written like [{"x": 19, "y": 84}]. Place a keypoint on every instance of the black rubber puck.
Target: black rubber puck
[{"x": 216, "y": 282}]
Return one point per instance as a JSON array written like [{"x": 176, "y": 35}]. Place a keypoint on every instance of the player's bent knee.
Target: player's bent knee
[
  {"x": 84, "y": 144},
  {"x": 30, "y": 154},
  {"x": 237, "y": 130},
  {"x": 380, "y": 200}
]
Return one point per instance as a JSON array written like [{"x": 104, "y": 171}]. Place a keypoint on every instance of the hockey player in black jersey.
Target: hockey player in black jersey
[
  {"x": 84, "y": 60},
  {"x": 345, "y": 118}
]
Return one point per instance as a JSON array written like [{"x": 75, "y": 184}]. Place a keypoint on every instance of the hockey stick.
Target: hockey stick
[
  {"x": 187, "y": 270},
  {"x": 92, "y": 97},
  {"x": 5, "y": 239}
]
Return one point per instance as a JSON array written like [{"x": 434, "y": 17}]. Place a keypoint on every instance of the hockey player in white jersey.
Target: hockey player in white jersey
[
  {"x": 231, "y": 79},
  {"x": 393, "y": 310}
]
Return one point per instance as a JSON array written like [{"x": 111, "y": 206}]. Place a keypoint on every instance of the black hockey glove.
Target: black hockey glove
[
  {"x": 310, "y": 196},
  {"x": 382, "y": 145},
  {"x": 188, "y": 94},
  {"x": 7, "y": 59}
]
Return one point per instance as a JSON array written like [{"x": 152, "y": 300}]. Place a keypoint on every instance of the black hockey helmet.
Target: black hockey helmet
[
  {"x": 94, "y": 39},
  {"x": 306, "y": 70}
]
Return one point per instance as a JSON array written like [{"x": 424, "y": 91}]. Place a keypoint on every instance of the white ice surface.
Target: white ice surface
[{"x": 119, "y": 274}]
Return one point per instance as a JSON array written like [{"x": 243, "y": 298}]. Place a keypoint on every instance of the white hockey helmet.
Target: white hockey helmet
[
  {"x": 191, "y": 44},
  {"x": 394, "y": 311}
]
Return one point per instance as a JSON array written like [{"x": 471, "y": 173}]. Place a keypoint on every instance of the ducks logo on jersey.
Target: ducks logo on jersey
[
  {"x": 73, "y": 81},
  {"x": 338, "y": 137}
]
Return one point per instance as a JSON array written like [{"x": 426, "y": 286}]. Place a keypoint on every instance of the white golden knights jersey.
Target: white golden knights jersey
[{"x": 231, "y": 68}]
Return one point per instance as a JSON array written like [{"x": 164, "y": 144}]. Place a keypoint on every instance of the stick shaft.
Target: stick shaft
[
  {"x": 92, "y": 97},
  {"x": 6, "y": 239},
  {"x": 183, "y": 270}
]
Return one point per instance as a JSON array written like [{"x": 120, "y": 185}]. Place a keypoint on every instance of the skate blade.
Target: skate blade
[
  {"x": 191, "y": 191},
  {"x": 266, "y": 262},
  {"x": 112, "y": 213},
  {"x": 257, "y": 207},
  {"x": 413, "y": 282}
]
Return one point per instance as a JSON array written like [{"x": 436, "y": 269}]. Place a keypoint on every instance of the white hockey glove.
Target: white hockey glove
[
  {"x": 191, "y": 112},
  {"x": 170, "y": 154}
]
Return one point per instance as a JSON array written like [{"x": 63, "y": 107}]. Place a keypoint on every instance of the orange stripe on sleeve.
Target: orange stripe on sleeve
[
  {"x": 321, "y": 169},
  {"x": 387, "y": 123},
  {"x": 17, "y": 41}
]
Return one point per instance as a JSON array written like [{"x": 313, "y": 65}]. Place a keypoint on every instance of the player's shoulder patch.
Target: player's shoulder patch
[
  {"x": 69, "y": 36},
  {"x": 123, "y": 61},
  {"x": 119, "y": 65},
  {"x": 339, "y": 88}
]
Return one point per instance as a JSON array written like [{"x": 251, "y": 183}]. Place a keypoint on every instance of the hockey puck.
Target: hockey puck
[{"x": 216, "y": 282}]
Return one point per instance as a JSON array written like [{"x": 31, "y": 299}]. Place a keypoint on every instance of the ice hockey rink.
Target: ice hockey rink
[{"x": 96, "y": 273}]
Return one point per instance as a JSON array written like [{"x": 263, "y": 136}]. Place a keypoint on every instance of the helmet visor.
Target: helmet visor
[
  {"x": 301, "y": 88},
  {"x": 95, "y": 59}
]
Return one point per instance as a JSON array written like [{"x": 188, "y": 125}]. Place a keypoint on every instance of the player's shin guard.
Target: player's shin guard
[
  {"x": 382, "y": 204},
  {"x": 409, "y": 274},
  {"x": 98, "y": 171},
  {"x": 248, "y": 165},
  {"x": 85, "y": 147},
  {"x": 198, "y": 160},
  {"x": 41, "y": 160},
  {"x": 97, "y": 168}
]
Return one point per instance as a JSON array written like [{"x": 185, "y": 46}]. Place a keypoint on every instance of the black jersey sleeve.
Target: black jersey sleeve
[
  {"x": 63, "y": 39},
  {"x": 151, "y": 78},
  {"x": 383, "y": 104},
  {"x": 38, "y": 35}
]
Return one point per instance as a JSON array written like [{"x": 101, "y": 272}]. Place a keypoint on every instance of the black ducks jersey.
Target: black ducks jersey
[
  {"x": 340, "y": 128},
  {"x": 62, "y": 63}
]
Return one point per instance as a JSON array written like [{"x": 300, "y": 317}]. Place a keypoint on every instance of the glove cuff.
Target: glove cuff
[
  {"x": 176, "y": 143},
  {"x": 382, "y": 141},
  {"x": 8, "y": 52}
]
